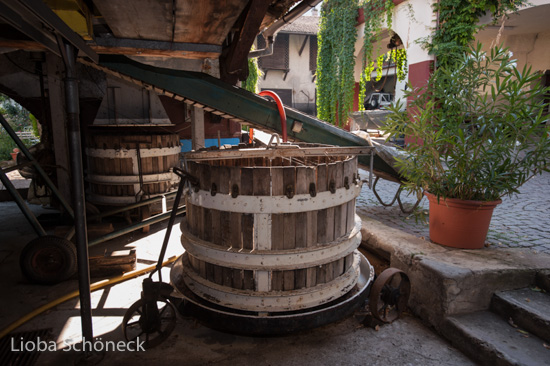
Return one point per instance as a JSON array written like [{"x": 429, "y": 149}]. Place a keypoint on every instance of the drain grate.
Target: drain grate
[{"x": 17, "y": 348}]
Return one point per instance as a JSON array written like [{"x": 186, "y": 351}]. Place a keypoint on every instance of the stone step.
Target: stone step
[
  {"x": 543, "y": 280},
  {"x": 527, "y": 308},
  {"x": 488, "y": 339}
]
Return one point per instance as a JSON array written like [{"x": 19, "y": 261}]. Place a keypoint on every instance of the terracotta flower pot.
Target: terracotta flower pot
[{"x": 459, "y": 223}]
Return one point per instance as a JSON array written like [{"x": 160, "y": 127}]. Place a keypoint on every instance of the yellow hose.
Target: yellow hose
[{"x": 93, "y": 287}]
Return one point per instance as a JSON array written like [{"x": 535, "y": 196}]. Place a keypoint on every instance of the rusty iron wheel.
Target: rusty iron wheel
[
  {"x": 137, "y": 327},
  {"x": 48, "y": 260},
  {"x": 389, "y": 295}
]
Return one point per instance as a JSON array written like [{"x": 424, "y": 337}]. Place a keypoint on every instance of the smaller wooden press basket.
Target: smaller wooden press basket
[{"x": 272, "y": 229}]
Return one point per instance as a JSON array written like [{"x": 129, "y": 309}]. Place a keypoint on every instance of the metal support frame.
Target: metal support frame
[{"x": 77, "y": 183}]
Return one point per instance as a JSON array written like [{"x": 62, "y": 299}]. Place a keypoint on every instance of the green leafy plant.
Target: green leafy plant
[
  {"x": 459, "y": 22},
  {"x": 478, "y": 126},
  {"x": 336, "y": 61},
  {"x": 254, "y": 72}
]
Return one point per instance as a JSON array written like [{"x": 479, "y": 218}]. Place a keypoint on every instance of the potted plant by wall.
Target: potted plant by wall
[{"x": 479, "y": 132}]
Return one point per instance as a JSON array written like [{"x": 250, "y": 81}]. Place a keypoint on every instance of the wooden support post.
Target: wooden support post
[
  {"x": 197, "y": 127},
  {"x": 56, "y": 92}
]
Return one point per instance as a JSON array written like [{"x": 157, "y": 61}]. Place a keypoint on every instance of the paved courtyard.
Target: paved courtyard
[{"x": 521, "y": 221}]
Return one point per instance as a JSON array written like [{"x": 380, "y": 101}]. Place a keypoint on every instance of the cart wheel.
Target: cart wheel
[
  {"x": 48, "y": 260},
  {"x": 389, "y": 295},
  {"x": 137, "y": 327},
  {"x": 145, "y": 213}
]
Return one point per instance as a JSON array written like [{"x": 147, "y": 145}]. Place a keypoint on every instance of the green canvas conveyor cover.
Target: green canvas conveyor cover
[{"x": 234, "y": 102}]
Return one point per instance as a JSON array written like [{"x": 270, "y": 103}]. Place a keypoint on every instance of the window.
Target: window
[{"x": 279, "y": 59}]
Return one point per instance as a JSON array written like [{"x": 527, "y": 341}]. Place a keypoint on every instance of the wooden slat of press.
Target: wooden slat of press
[
  {"x": 289, "y": 228},
  {"x": 205, "y": 184},
  {"x": 343, "y": 219},
  {"x": 189, "y": 217},
  {"x": 210, "y": 272},
  {"x": 350, "y": 219},
  {"x": 262, "y": 181},
  {"x": 289, "y": 178},
  {"x": 339, "y": 174},
  {"x": 218, "y": 275},
  {"x": 322, "y": 274},
  {"x": 330, "y": 224},
  {"x": 277, "y": 231},
  {"x": 348, "y": 261},
  {"x": 227, "y": 276},
  {"x": 207, "y": 224},
  {"x": 247, "y": 184},
  {"x": 288, "y": 280},
  {"x": 216, "y": 236},
  {"x": 198, "y": 210},
  {"x": 322, "y": 219},
  {"x": 322, "y": 172},
  {"x": 236, "y": 237},
  {"x": 300, "y": 278},
  {"x": 331, "y": 174},
  {"x": 277, "y": 187},
  {"x": 247, "y": 229},
  {"x": 237, "y": 278},
  {"x": 214, "y": 178},
  {"x": 248, "y": 280},
  {"x": 155, "y": 164},
  {"x": 223, "y": 177},
  {"x": 339, "y": 229},
  {"x": 338, "y": 268},
  {"x": 348, "y": 171},
  {"x": 301, "y": 229},
  {"x": 235, "y": 176},
  {"x": 225, "y": 229},
  {"x": 277, "y": 281},
  {"x": 311, "y": 276}
]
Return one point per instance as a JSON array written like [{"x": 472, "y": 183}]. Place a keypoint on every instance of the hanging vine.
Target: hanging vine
[
  {"x": 336, "y": 61},
  {"x": 458, "y": 23}
]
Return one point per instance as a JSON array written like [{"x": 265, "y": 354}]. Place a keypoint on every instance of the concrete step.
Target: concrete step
[
  {"x": 528, "y": 309},
  {"x": 543, "y": 280},
  {"x": 488, "y": 339}
]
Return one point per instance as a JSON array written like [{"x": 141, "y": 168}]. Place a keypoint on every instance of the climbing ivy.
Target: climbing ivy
[
  {"x": 458, "y": 23},
  {"x": 336, "y": 61}
]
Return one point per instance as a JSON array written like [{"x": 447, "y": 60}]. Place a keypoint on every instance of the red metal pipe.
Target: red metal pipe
[{"x": 281, "y": 108}]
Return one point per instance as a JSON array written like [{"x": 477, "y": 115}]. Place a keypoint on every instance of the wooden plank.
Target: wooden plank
[
  {"x": 247, "y": 181},
  {"x": 289, "y": 179},
  {"x": 311, "y": 276},
  {"x": 218, "y": 275},
  {"x": 216, "y": 236},
  {"x": 348, "y": 171},
  {"x": 311, "y": 229},
  {"x": 302, "y": 186},
  {"x": 322, "y": 226},
  {"x": 301, "y": 230},
  {"x": 224, "y": 178},
  {"x": 322, "y": 274},
  {"x": 200, "y": 221},
  {"x": 350, "y": 217},
  {"x": 214, "y": 179},
  {"x": 236, "y": 236},
  {"x": 277, "y": 281},
  {"x": 330, "y": 224},
  {"x": 227, "y": 277},
  {"x": 338, "y": 268},
  {"x": 225, "y": 229},
  {"x": 289, "y": 229},
  {"x": 247, "y": 230},
  {"x": 235, "y": 176},
  {"x": 210, "y": 272},
  {"x": 277, "y": 186},
  {"x": 277, "y": 231},
  {"x": 262, "y": 181},
  {"x": 203, "y": 272},
  {"x": 288, "y": 280},
  {"x": 300, "y": 278},
  {"x": 322, "y": 171},
  {"x": 339, "y": 174},
  {"x": 238, "y": 278},
  {"x": 248, "y": 280},
  {"x": 331, "y": 175},
  {"x": 207, "y": 224},
  {"x": 338, "y": 229}
]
